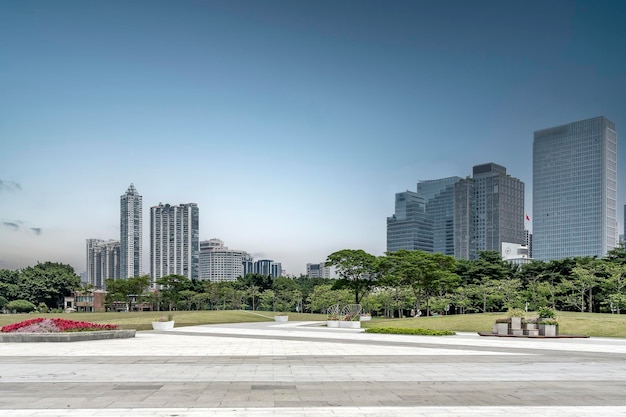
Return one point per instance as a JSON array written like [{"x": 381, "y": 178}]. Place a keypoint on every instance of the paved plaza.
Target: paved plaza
[{"x": 305, "y": 369}]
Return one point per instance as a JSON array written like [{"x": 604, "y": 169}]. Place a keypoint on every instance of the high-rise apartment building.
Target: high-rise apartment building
[
  {"x": 103, "y": 261},
  {"x": 131, "y": 234},
  {"x": 489, "y": 211},
  {"x": 575, "y": 190},
  {"x": 174, "y": 240},
  {"x": 218, "y": 263}
]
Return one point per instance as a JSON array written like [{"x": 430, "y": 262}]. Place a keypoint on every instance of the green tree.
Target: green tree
[
  {"x": 586, "y": 276},
  {"x": 129, "y": 290},
  {"x": 267, "y": 300},
  {"x": 48, "y": 283},
  {"x": 9, "y": 280},
  {"x": 186, "y": 298},
  {"x": 171, "y": 286},
  {"x": 356, "y": 269},
  {"x": 427, "y": 274},
  {"x": 323, "y": 296}
]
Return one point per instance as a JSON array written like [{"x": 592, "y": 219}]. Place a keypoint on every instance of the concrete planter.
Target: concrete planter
[
  {"x": 281, "y": 319},
  {"x": 162, "y": 325},
  {"x": 350, "y": 324},
  {"x": 516, "y": 322},
  {"x": 502, "y": 328},
  {"x": 549, "y": 330},
  {"x": 332, "y": 323},
  {"x": 365, "y": 318}
]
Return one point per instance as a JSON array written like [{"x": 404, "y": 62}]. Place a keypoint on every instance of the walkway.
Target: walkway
[{"x": 304, "y": 369}]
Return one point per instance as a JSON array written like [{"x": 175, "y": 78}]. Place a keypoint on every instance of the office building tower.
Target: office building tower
[
  {"x": 439, "y": 197},
  {"x": 409, "y": 227},
  {"x": 268, "y": 267},
  {"x": 218, "y": 263},
  {"x": 424, "y": 220},
  {"x": 277, "y": 269},
  {"x": 131, "y": 234},
  {"x": 575, "y": 190},
  {"x": 174, "y": 240},
  {"x": 489, "y": 211},
  {"x": 103, "y": 261},
  {"x": 317, "y": 271},
  {"x": 248, "y": 264}
]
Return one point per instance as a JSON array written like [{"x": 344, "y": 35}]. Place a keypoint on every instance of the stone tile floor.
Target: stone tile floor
[{"x": 305, "y": 369}]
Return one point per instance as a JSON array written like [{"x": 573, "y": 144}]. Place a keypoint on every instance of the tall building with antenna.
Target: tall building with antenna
[{"x": 131, "y": 234}]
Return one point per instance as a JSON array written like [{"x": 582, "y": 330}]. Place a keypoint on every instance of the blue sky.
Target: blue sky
[{"x": 291, "y": 124}]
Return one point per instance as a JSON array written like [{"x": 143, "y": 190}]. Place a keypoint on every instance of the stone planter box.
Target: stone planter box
[
  {"x": 502, "y": 328},
  {"x": 516, "y": 322},
  {"x": 332, "y": 323},
  {"x": 549, "y": 330},
  {"x": 281, "y": 319},
  {"x": 365, "y": 318},
  {"x": 350, "y": 324},
  {"x": 531, "y": 326},
  {"x": 517, "y": 332},
  {"x": 162, "y": 325}
]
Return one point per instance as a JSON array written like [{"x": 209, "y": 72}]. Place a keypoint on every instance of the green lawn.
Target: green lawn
[
  {"x": 591, "y": 324},
  {"x": 143, "y": 320}
]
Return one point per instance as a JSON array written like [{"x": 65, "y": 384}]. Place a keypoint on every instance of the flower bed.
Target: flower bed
[
  {"x": 60, "y": 330},
  {"x": 55, "y": 325}
]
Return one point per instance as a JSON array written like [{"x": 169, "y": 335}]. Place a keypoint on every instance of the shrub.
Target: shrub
[
  {"x": 515, "y": 312},
  {"x": 420, "y": 332},
  {"x": 21, "y": 306},
  {"x": 546, "y": 313}
]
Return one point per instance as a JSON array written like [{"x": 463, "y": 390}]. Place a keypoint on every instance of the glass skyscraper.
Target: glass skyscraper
[
  {"x": 174, "y": 240},
  {"x": 131, "y": 234},
  {"x": 575, "y": 190},
  {"x": 409, "y": 228}
]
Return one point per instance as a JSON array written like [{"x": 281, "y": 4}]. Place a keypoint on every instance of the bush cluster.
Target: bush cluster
[{"x": 420, "y": 332}]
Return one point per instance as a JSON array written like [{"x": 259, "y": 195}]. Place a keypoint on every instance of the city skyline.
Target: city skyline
[{"x": 291, "y": 124}]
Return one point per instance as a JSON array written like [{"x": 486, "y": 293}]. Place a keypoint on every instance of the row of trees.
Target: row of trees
[
  {"x": 394, "y": 284},
  {"x": 436, "y": 282}
]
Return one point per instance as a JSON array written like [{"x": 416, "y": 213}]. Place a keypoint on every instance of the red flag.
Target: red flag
[{"x": 527, "y": 217}]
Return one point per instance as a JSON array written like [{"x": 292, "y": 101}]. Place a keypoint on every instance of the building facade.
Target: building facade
[
  {"x": 489, "y": 211},
  {"x": 248, "y": 264},
  {"x": 131, "y": 233},
  {"x": 439, "y": 197},
  {"x": 317, "y": 271},
  {"x": 575, "y": 190},
  {"x": 409, "y": 227},
  {"x": 103, "y": 261},
  {"x": 268, "y": 267},
  {"x": 174, "y": 240},
  {"x": 218, "y": 263}
]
